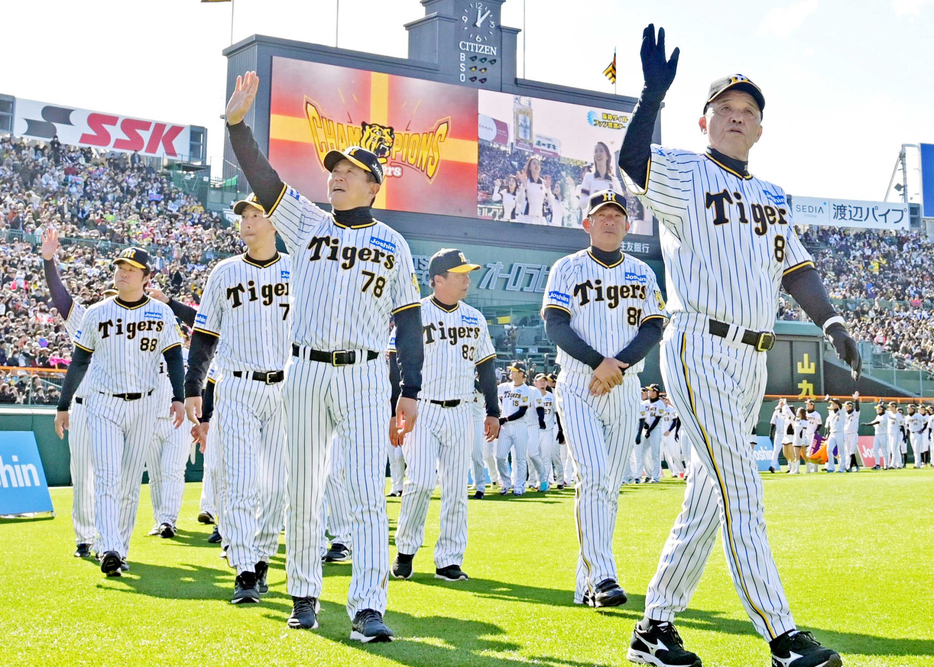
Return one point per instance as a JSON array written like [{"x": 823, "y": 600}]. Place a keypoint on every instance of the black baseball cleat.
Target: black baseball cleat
[
  {"x": 245, "y": 590},
  {"x": 608, "y": 593},
  {"x": 771, "y": 469},
  {"x": 206, "y": 517},
  {"x": 478, "y": 495},
  {"x": 402, "y": 566},
  {"x": 166, "y": 530},
  {"x": 83, "y": 551},
  {"x": 124, "y": 566},
  {"x": 111, "y": 564},
  {"x": 802, "y": 650},
  {"x": 659, "y": 644},
  {"x": 451, "y": 573},
  {"x": 261, "y": 570},
  {"x": 338, "y": 553},
  {"x": 215, "y": 537},
  {"x": 560, "y": 487},
  {"x": 304, "y": 614},
  {"x": 368, "y": 627}
]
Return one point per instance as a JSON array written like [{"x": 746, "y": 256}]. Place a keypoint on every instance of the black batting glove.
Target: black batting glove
[
  {"x": 846, "y": 348},
  {"x": 656, "y": 70},
  {"x": 502, "y": 420}
]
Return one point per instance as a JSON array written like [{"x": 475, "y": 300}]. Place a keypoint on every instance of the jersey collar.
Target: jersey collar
[
  {"x": 605, "y": 259},
  {"x": 738, "y": 168},
  {"x": 443, "y": 306},
  {"x": 131, "y": 305},
  {"x": 264, "y": 263},
  {"x": 354, "y": 218}
]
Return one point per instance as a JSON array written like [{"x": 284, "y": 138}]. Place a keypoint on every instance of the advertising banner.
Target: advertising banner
[
  {"x": 424, "y": 133},
  {"x": 849, "y": 213},
  {"x": 927, "y": 180},
  {"x": 864, "y": 445},
  {"x": 763, "y": 452},
  {"x": 23, "y": 487},
  {"x": 107, "y": 131},
  {"x": 553, "y": 155}
]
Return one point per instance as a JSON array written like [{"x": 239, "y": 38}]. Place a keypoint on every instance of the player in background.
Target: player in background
[
  {"x": 79, "y": 446},
  {"x": 894, "y": 430},
  {"x": 515, "y": 400},
  {"x": 482, "y": 446},
  {"x": 729, "y": 246},
  {"x": 815, "y": 421},
  {"x": 781, "y": 415},
  {"x": 538, "y": 475},
  {"x": 352, "y": 274},
  {"x": 635, "y": 459},
  {"x": 544, "y": 405},
  {"x": 916, "y": 424},
  {"x": 458, "y": 349},
  {"x": 671, "y": 448},
  {"x": 603, "y": 310},
  {"x": 650, "y": 453},
  {"x": 244, "y": 319},
  {"x": 834, "y": 432},
  {"x": 930, "y": 434},
  {"x": 851, "y": 433},
  {"x": 127, "y": 337},
  {"x": 880, "y": 437}
]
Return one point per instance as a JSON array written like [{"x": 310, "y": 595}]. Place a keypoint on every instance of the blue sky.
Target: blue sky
[{"x": 846, "y": 83}]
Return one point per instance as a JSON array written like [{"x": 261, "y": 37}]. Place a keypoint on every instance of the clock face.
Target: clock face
[{"x": 477, "y": 22}]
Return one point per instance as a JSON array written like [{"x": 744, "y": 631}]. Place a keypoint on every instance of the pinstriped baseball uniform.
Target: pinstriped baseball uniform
[
  {"x": 396, "y": 460},
  {"x": 727, "y": 240},
  {"x": 607, "y": 304},
  {"x": 439, "y": 448},
  {"x": 535, "y": 459},
  {"x": 168, "y": 455},
  {"x": 635, "y": 459},
  {"x": 347, "y": 283},
  {"x": 547, "y": 442},
  {"x": 213, "y": 494},
  {"x": 128, "y": 344},
  {"x": 335, "y": 511},
  {"x": 482, "y": 452},
  {"x": 648, "y": 452},
  {"x": 513, "y": 435},
  {"x": 894, "y": 430},
  {"x": 246, "y": 304},
  {"x": 79, "y": 446},
  {"x": 671, "y": 448},
  {"x": 914, "y": 423}
]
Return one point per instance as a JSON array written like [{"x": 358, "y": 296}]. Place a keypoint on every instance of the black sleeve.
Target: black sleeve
[
  {"x": 516, "y": 416},
  {"x": 80, "y": 360},
  {"x": 486, "y": 373},
  {"x": 207, "y": 402},
  {"x": 559, "y": 331},
  {"x": 640, "y": 431},
  {"x": 651, "y": 428},
  {"x": 806, "y": 287},
  {"x": 541, "y": 417},
  {"x": 263, "y": 179},
  {"x": 856, "y": 406},
  {"x": 636, "y": 150},
  {"x": 560, "y": 429},
  {"x": 185, "y": 313},
  {"x": 200, "y": 353},
  {"x": 772, "y": 432},
  {"x": 676, "y": 426},
  {"x": 60, "y": 297},
  {"x": 650, "y": 333},
  {"x": 410, "y": 350},
  {"x": 175, "y": 365},
  {"x": 394, "y": 381}
]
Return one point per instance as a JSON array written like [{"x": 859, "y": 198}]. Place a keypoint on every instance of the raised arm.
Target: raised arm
[{"x": 61, "y": 299}]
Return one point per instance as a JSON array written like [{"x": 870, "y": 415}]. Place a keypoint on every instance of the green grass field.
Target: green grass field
[{"x": 856, "y": 555}]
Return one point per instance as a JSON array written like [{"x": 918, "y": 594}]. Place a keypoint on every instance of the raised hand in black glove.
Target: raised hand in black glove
[
  {"x": 846, "y": 348},
  {"x": 658, "y": 72}
]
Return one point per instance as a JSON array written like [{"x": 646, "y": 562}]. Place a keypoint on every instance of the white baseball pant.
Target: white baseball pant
[
  {"x": 880, "y": 448},
  {"x": 436, "y": 451},
  {"x": 120, "y": 432},
  {"x": 851, "y": 447},
  {"x": 551, "y": 455},
  {"x": 717, "y": 387},
  {"x": 346, "y": 409},
  {"x": 478, "y": 466},
  {"x": 776, "y": 450},
  {"x": 335, "y": 509},
  {"x": 396, "y": 469},
  {"x": 250, "y": 423},
  {"x": 600, "y": 432},
  {"x": 835, "y": 442},
  {"x": 168, "y": 457},
  {"x": 209, "y": 502},
  {"x": 895, "y": 456},
  {"x": 82, "y": 474},
  {"x": 515, "y": 436},
  {"x": 917, "y": 447},
  {"x": 536, "y": 458},
  {"x": 671, "y": 452}
]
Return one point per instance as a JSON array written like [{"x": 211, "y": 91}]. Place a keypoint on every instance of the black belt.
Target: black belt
[
  {"x": 446, "y": 404},
  {"x": 270, "y": 377},
  {"x": 79, "y": 400},
  {"x": 763, "y": 341},
  {"x": 334, "y": 357},
  {"x": 133, "y": 396}
]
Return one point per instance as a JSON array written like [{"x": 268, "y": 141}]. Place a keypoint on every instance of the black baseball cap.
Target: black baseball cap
[
  {"x": 518, "y": 366},
  {"x": 449, "y": 259},
  {"x": 251, "y": 200},
  {"x": 134, "y": 257},
  {"x": 738, "y": 82},
  {"x": 653, "y": 387},
  {"x": 606, "y": 198},
  {"x": 358, "y": 156}
]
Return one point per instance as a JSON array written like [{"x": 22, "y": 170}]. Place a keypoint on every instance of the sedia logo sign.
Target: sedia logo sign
[{"x": 419, "y": 150}]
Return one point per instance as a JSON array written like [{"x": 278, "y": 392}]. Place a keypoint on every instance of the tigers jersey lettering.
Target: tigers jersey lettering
[
  {"x": 606, "y": 303},
  {"x": 726, "y": 240},
  {"x": 247, "y": 305},
  {"x": 352, "y": 278},
  {"x": 512, "y": 398},
  {"x": 127, "y": 344},
  {"x": 455, "y": 342}
]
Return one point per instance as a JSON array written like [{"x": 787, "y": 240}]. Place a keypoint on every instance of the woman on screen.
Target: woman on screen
[
  {"x": 603, "y": 176},
  {"x": 533, "y": 194},
  {"x": 508, "y": 196}
]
